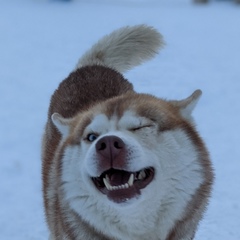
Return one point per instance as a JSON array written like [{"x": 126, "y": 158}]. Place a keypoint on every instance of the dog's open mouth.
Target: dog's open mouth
[{"x": 120, "y": 185}]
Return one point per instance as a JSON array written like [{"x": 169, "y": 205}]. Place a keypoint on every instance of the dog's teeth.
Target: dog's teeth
[
  {"x": 131, "y": 179},
  {"x": 142, "y": 175},
  {"x": 107, "y": 184},
  {"x": 111, "y": 188}
]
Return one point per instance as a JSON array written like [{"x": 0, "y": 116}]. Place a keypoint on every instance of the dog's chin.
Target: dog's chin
[{"x": 121, "y": 186}]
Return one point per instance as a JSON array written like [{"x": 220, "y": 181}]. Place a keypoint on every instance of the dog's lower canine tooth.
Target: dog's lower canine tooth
[
  {"x": 131, "y": 179},
  {"x": 107, "y": 184}
]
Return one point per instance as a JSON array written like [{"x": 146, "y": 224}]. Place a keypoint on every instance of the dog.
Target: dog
[{"x": 117, "y": 164}]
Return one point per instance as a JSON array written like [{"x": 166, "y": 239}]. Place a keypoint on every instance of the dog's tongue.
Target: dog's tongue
[{"x": 118, "y": 177}]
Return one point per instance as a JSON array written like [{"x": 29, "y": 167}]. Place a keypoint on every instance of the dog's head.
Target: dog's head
[{"x": 134, "y": 151}]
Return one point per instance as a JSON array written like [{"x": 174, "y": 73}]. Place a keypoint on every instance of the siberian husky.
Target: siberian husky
[{"x": 118, "y": 164}]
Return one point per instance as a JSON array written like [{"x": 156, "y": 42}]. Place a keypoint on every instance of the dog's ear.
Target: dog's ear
[
  {"x": 187, "y": 105},
  {"x": 61, "y": 123}
]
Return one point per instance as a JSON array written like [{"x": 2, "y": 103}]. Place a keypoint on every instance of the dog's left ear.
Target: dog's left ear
[
  {"x": 187, "y": 105},
  {"x": 61, "y": 123}
]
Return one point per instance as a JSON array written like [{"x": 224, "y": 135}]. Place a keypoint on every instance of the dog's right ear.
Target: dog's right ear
[
  {"x": 61, "y": 123},
  {"x": 187, "y": 105}
]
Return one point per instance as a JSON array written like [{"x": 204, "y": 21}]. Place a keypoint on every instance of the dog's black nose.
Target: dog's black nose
[
  {"x": 111, "y": 151},
  {"x": 110, "y": 146}
]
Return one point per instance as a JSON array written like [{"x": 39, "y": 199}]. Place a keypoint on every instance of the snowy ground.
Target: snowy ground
[{"x": 40, "y": 42}]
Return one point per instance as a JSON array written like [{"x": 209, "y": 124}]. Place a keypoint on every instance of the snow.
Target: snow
[{"x": 40, "y": 43}]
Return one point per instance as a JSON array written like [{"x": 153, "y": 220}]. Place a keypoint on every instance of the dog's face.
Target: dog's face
[{"x": 134, "y": 155}]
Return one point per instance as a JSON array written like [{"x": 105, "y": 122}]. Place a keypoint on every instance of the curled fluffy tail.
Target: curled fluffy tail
[{"x": 124, "y": 48}]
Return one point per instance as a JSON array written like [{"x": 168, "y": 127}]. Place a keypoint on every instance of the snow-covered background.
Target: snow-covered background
[{"x": 40, "y": 43}]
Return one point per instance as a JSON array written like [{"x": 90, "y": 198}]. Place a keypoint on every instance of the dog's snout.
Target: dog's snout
[
  {"x": 111, "y": 151},
  {"x": 110, "y": 146}
]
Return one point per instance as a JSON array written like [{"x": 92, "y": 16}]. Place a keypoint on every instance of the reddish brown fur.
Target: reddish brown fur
[{"x": 79, "y": 95}]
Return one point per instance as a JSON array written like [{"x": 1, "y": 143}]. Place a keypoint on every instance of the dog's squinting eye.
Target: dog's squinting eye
[
  {"x": 91, "y": 137},
  {"x": 140, "y": 127}
]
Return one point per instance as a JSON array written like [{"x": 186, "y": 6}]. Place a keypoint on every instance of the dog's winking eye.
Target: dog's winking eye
[
  {"x": 91, "y": 137},
  {"x": 134, "y": 129}
]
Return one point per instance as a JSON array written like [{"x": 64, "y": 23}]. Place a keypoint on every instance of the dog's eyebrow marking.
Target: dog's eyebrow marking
[
  {"x": 131, "y": 120},
  {"x": 81, "y": 122},
  {"x": 98, "y": 122}
]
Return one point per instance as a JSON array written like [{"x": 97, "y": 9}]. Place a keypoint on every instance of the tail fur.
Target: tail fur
[{"x": 124, "y": 48}]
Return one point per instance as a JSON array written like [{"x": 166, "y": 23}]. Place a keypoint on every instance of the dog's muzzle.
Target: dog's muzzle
[{"x": 115, "y": 180}]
